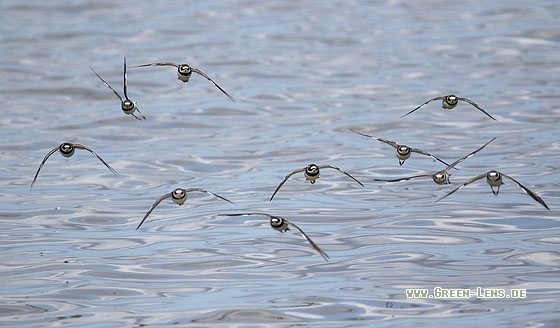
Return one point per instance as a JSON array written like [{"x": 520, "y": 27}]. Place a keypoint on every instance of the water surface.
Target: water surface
[{"x": 302, "y": 76}]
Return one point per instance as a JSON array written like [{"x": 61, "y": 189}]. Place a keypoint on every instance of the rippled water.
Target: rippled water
[{"x": 302, "y": 75}]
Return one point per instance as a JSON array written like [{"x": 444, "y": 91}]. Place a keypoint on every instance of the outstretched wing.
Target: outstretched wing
[
  {"x": 528, "y": 192},
  {"x": 419, "y": 151},
  {"x": 107, "y": 84},
  {"x": 415, "y": 109},
  {"x": 478, "y": 177},
  {"x": 78, "y": 146},
  {"x": 476, "y": 106},
  {"x": 158, "y": 64},
  {"x": 310, "y": 241},
  {"x": 389, "y": 142},
  {"x": 54, "y": 150},
  {"x": 468, "y": 156},
  {"x": 326, "y": 166},
  {"x": 196, "y": 70},
  {"x": 405, "y": 179},
  {"x": 363, "y": 134},
  {"x": 209, "y": 193},
  {"x": 154, "y": 205},
  {"x": 284, "y": 181},
  {"x": 245, "y": 214},
  {"x": 125, "y": 85}
]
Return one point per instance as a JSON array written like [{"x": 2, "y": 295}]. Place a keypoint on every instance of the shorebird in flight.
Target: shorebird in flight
[
  {"x": 67, "y": 149},
  {"x": 127, "y": 105},
  {"x": 403, "y": 151},
  {"x": 282, "y": 225},
  {"x": 311, "y": 173},
  {"x": 184, "y": 73},
  {"x": 450, "y": 102},
  {"x": 440, "y": 177},
  {"x": 179, "y": 196},
  {"x": 495, "y": 179}
]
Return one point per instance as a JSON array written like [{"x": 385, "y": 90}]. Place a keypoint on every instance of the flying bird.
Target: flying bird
[
  {"x": 450, "y": 102},
  {"x": 127, "y": 105},
  {"x": 67, "y": 149},
  {"x": 311, "y": 173},
  {"x": 178, "y": 196},
  {"x": 403, "y": 151},
  {"x": 283, "y": 225},
  {"x": 495, "y": 180},
  {"x": 184, "y": 73}
]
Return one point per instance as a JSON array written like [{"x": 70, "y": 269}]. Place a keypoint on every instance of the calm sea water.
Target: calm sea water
[{"x": 302, "y": 73}]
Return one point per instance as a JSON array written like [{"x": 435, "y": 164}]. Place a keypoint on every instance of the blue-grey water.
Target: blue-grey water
[{"x": 303, "y": 74}]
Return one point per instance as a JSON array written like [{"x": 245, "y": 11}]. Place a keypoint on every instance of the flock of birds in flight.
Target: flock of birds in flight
[{"x": 312, "y": 171}]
